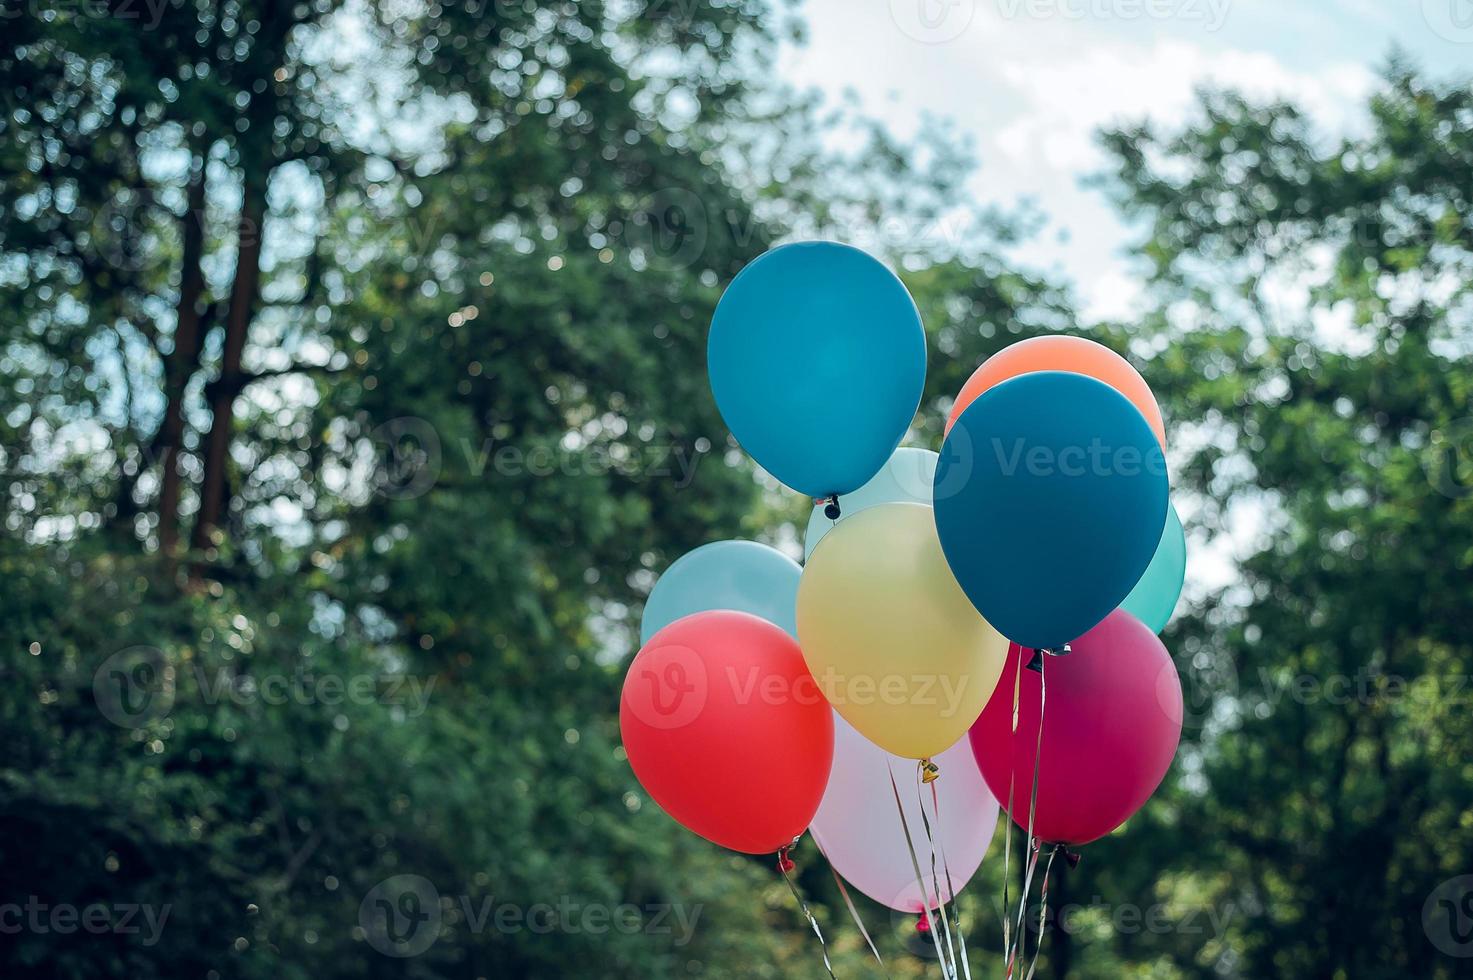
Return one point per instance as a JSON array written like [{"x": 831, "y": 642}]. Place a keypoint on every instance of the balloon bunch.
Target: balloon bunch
[{"x": 945, "y": 599}]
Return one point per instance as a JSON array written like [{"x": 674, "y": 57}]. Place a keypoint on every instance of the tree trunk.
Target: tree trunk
[
  {"x": 182, "y": 363},
  {"x": 214, "y": 492}
]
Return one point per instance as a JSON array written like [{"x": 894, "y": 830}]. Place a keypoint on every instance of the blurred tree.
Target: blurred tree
[{"x": 221, "y": 230}]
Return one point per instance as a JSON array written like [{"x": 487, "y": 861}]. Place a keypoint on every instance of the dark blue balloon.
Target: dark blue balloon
[
  {"x": 817, "y": 359},
  {"x": 1050, "y": 497}
]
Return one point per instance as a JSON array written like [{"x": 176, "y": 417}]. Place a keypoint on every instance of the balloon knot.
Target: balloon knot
[
  {"x": 929, "y": 771},
  {"x": 1036, "y": 664},
  {"x": 832, "y": 510},
  {"x": 923, "y": 925},
  {"x": 1072, "y": 857},
  {"x": 785, "y": 863}
]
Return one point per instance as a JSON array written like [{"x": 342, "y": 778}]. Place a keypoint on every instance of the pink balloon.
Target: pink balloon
[
  {"x": 859, "y": 830},
  {"x": 1111, "y": 723}
]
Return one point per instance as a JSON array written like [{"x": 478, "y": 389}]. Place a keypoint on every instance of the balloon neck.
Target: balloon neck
[
  {"x": 831, "y": 511},
  {"x": 929, "y": 771},
  {"x": 784, "y": 861},
  {"x": 923, "y": 924},
  {"x": 1036, "y": 664},
  {"x": 1042, "y": 847}
]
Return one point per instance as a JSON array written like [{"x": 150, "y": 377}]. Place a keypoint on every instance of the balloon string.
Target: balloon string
[
  {"x": 961, "y": 941},
  {"x": 915, "y": 864},
  {"x": 1042, "y": 910},
  {"x": 1020, "y": 944},
  {"x": 925, "y": 769},
  {"x": 785, "y": 865},
  {"x": 1037, "y": 746},
  {"x": 854, "y": 914},
  {"x": 1018, "y": 938},
  {"x": 1007, "y": 853}
]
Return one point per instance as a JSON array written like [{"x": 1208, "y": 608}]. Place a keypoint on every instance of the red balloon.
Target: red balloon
[
  {"x": 1111, "y": 723},
  {"x": 726, "y": 729}
]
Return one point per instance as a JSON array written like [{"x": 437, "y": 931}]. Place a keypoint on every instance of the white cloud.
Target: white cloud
[
  {"x": 1063, "y": 102},
  {"x": 1034, "y": 90}
]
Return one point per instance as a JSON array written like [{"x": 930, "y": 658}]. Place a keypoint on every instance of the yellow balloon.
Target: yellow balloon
[{"x": 889, "y": 636}]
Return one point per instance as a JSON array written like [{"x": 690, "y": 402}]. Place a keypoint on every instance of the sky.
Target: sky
[{"x": 1032, "y": 80}]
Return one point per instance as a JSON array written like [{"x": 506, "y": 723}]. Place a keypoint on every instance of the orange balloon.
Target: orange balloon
[{"x": 1059, "y": 353}]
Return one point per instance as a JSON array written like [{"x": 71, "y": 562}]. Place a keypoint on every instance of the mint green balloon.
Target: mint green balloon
[
  {"x": 741, "y": 575},
  {"x": 1154, "y": 596},
  {"x": 907, "y": 476}
]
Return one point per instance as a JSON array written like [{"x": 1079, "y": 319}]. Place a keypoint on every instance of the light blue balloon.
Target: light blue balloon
[
  {"x": 817, "y": 359},
  {"x": 1050, "y": 498},
  {"x": 1154, "y": 597},
  {"x": 907, "y": 477},
  {"x": 741, "y": 575}
]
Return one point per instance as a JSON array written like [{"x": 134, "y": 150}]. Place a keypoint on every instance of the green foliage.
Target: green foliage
[{"x": 478, "y": 597}]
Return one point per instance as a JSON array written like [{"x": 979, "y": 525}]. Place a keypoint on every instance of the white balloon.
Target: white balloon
[
  {"x": 905, "y": 477},
  {"x": 858, "y": 828}
]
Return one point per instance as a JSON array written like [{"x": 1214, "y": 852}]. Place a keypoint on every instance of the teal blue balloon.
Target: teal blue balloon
[
  {"x": 906, "y": 478},
  {"x": 817, "y": 359},
  {"x": 741, "y": 575},
  {"x": 1050, "y": 497},
  {"x": 1154, "y": 597}
]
